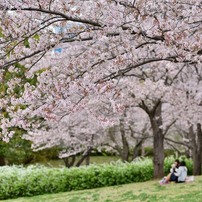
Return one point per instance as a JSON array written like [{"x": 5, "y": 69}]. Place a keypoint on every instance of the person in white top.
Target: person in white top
[{"x": 181, "y": 172}]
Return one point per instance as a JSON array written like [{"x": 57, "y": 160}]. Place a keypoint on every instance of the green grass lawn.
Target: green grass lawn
[
  {"x": 149, "y": 191},
  {"x": 93, "y": 159}
]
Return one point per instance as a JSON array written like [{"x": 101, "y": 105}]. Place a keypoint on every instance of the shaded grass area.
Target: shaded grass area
[
  {"x": 149, "y": 191},
  {"x": 93, "y": 160}
]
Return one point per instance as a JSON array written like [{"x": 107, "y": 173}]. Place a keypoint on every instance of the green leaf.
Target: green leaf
[
  {"x": 26, "y": 43},
  {"x": 18, "y": 65},
  {"x": 36, "y": 37},
  {"x": 32, "y": 81},
  {"x": 1, "y": 34}
]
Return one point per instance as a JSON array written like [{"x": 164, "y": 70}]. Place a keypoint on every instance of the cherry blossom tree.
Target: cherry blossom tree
[
  {"x": 127, "y": 136},
  {"x": 189, "y": 109},
  {"x": 119, "y": 53},
  {"x": 74, "y": 135}
]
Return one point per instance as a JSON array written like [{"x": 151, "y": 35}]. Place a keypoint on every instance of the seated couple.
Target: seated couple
[{"x": 178, "y": 173}]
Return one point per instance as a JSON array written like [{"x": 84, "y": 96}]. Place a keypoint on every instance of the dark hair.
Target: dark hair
[
  {"x": 178, "y": 162},
  {"x": 182, "y": 163}
]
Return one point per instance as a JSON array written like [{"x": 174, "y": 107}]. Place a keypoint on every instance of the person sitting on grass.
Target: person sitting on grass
[
  {"x": 181, "y": 172},
  {"x": 173, "y": 171},
  {"x": 178, "y": 176}
]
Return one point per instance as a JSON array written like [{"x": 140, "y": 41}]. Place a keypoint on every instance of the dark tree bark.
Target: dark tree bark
[
  {"x": 158, "y": 142},
  {"x": 125, "y": 150},
  {"x": 138, "y": 148},
  {"x": 84, "y": 156},
  {"x": 69, "y": 161},
  {"x": 196, "y": 146},
  {"x": 155, "y": 116},
  {"x": 88, "y": 160},
  {"x": 2, "y": 161}
]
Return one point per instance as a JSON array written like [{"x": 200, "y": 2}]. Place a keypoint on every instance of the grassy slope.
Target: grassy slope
[{"x": 148, "y": 191}]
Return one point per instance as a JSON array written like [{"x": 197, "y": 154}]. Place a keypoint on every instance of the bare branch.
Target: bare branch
[{"x": 177, "y": 142}]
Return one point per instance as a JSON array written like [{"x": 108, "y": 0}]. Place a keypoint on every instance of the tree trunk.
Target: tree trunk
[
  {"x": 155, "y": 116},
  {"x": 138, "y": 149},
  {"x": 158, "y": 158},
  {"x": 88, "y": 160},
  {"x": 158, "y": 141},
  {"x": 69, "y": 163},
  {"x": 125, "y": 148},
  {"x": 2, "y": 161},
  {"x": 196, "y": 145},
  {"x": 71, "y": 160},
  {"x": 84, "y": 156}
]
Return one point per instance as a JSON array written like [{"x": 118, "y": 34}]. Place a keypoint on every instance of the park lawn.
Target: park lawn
[
  {"x": 149, "y": 191},
  {"x": 93, "y": 159}
]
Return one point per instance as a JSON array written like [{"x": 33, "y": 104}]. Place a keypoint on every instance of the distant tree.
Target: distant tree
[{"x": 126, "y": 137}]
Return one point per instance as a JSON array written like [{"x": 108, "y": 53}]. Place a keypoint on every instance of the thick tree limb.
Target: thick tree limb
[{"x": 69, "y": 18}]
